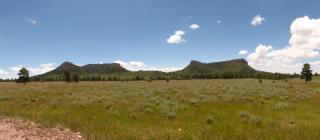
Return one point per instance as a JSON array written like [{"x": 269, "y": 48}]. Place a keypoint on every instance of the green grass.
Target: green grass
[{"x": 193, "y": 109}]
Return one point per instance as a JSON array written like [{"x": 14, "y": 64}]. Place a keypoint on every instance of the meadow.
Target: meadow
[{"x": 187, "y": 109}]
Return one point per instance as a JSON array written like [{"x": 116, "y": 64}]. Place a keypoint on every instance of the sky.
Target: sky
[{"x": 272, "y": 35}]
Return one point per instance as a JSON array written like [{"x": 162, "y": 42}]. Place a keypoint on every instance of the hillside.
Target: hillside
[
  {"x": 237, "y": 68},
  {"x": 84, "y": 71},
  {"x": 237, "y": 65}
]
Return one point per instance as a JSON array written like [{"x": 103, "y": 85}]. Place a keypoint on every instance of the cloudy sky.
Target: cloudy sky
[{"x": 272, "y": 35}]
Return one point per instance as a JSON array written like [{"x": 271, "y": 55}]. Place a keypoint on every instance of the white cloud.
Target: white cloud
[
  {"x": 43, "y": 68},
  {"x": 33, "y": 21},
  {"x": 133, "y": 65},
  {"x": 137, "y": 65},
  {"x": 243, "y": 52},
  {"x": 219, "y": 21},
  {"x": 194, "y": 26},
  {"x": 304, "y": 45},
  {"x": 315, "y": 66},
  {"x": 3, "y": 74},
  {"x": 257, "y": 20},
  {"x": 176, "y": 38}
]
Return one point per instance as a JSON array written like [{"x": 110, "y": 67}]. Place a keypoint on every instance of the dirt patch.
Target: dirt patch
[{"x": 17, "y": 129}]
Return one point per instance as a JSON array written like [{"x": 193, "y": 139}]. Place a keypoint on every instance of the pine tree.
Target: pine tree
[
  {"x": 67, "y": 76},
  {"x": 307, "y": 72},
  {"x": 75, "y": 78},
  {"x": 23, "y": 76}
]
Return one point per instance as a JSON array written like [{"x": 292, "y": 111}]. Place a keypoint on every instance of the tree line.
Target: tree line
[{"x": 67, "y": 76}]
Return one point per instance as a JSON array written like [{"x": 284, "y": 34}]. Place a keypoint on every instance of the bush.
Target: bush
[
  {"x": 209, "y": 119},
  {"x": 108, "y": 105},
  {"x": 244, "y": 116},
  {"x": 148, "y": 110},
  {"x": 193, "y": 102},
  {"x": 134, "y": 116},
  {"x": 281, "y": 106},
  {"x": 171, "y": 115},
  {"x": 75, "y": 78},
  {"x": 255, "y": 120},
  {"x": 4, "y": 98},
  {"x": 250, "y": 118}
]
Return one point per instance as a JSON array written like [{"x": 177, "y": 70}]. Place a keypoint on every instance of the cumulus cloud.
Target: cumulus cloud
[
  {"x": 257, "y": 20},
  {"x": 176, "y": 38},
  {"x": 133, "y": 65},
  {"x": 194, "y": 26},
  {"x": 43, "y": 68},
  {"x": 3, "y": 74},
  {"x": 315, "y": 66},
  {"x": 243, "y": 52},
  {"x": 304, "y": 45},
  {"x": 33, "y": 21},
  {"x": 137, "y": 65},
  {"x": 219, "y": 21}
]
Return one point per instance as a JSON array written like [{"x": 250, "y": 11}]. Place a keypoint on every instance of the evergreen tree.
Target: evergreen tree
[
  {"x": 75, "y": 78},
  {"x": 307, "y": 72},
  {"x": 23, "y": 76},
  {"x": 67, "y": 76}
]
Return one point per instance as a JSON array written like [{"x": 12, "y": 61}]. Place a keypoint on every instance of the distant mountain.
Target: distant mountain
[
  {"x": 102, "y": 68},
  {"x": 86, "y": 70},
  {"x": 66, "y": 66},
  {"x": 237, "y": 68}
]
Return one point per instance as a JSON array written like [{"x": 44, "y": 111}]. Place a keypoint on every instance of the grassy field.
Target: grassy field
[{"x": 193, "y": 109}]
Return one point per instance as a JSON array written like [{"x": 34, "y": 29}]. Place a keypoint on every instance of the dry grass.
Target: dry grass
[{"x": 194, "y": 109}]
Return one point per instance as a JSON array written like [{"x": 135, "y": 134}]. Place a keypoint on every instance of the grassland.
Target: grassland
[{"x": 192, "y": 109}]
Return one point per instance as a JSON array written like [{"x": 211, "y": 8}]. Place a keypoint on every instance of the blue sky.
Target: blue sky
[{"x": 41, "y": 34}]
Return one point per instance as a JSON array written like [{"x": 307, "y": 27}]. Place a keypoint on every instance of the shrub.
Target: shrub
[
  {"x": 171, "y": 115},
  {"x": 75, "y": 78},
  {"x": 34, "y": 100},
  {"x": 193, "y": 102},
  {"x": 55, "y": 103},
  {"x": 4, "y": 98},
  {"x": 133, "y": 116},
  {"x": 246, "y": 99},
  {"x": 281, "y": 106},
  {"x": 260, "y": 81},
  {"x": 255, "y": 120},
  {"x": 250, "y": 118},
  {"x": 244, "y": 116},
  {"x": 209, "y": 119},
  {"x": 148, "y": 110},
  {"x": 108, "y": 105}
]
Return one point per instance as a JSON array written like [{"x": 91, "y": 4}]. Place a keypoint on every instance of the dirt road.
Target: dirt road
[{"x": 17, "y": 129}]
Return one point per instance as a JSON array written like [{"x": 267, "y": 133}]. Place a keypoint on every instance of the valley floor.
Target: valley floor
[{"x": 189, "y": 109}]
